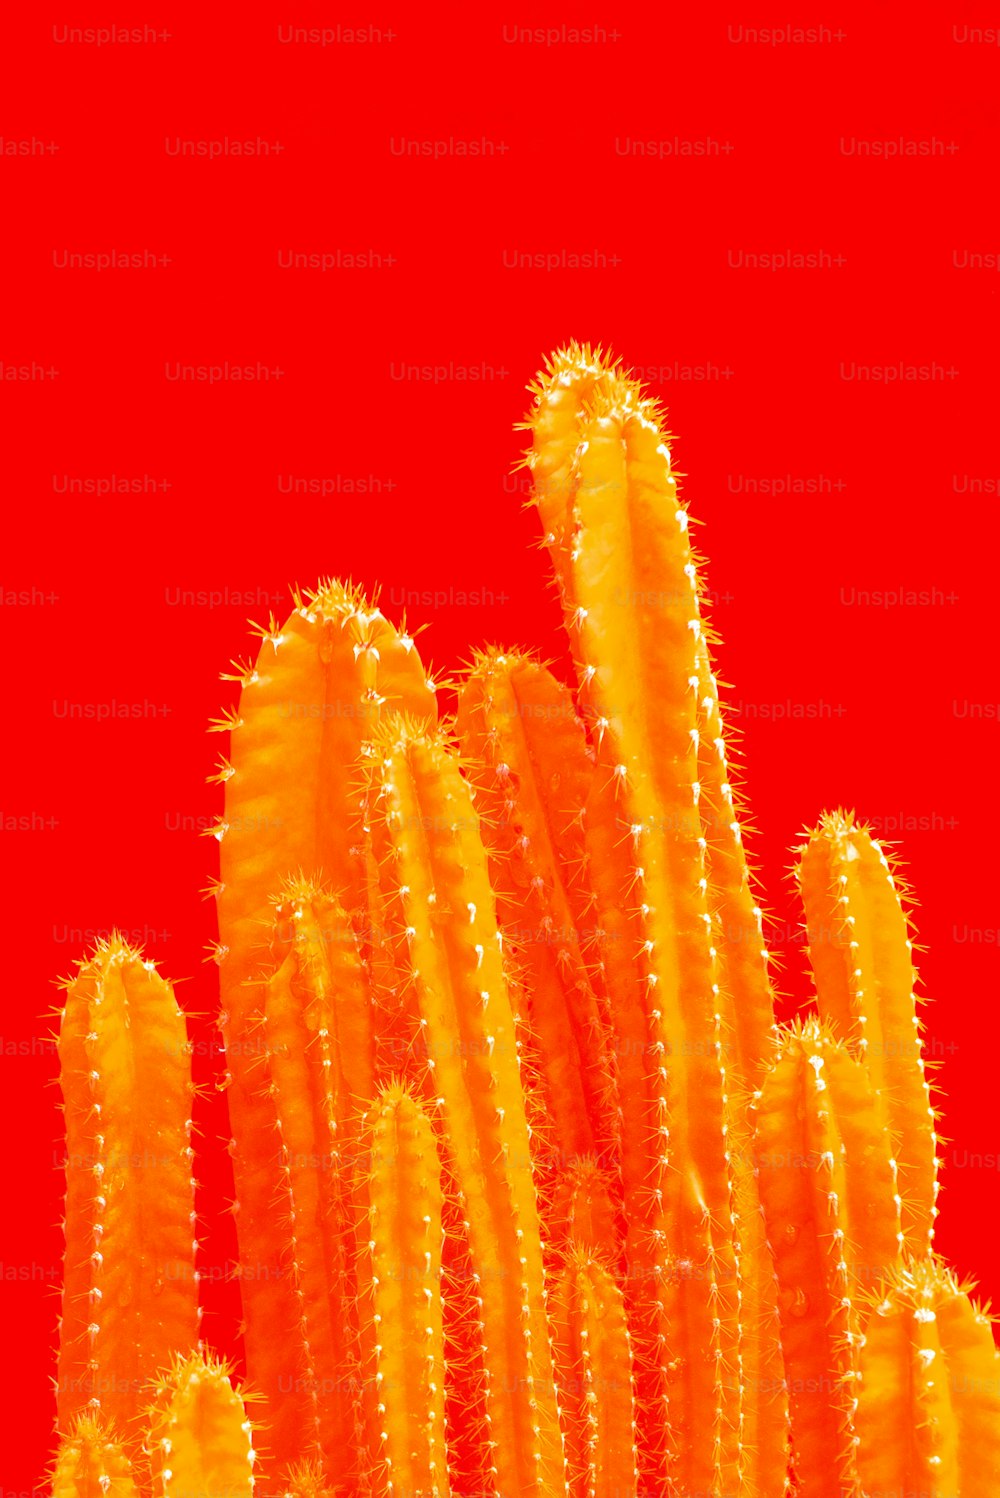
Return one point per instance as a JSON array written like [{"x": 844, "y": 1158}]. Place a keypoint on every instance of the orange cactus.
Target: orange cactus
[
  {"x": 130, "y": 1291},
  {"x": 577, "y": 1222}
]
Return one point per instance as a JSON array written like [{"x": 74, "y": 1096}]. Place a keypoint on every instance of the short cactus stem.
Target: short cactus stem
[
  {"x": 306, "y": 1480},
  {"x": 828, "y": 1186},
  {"x": 594, "y": 1367},
  {"x": 308, "y": 706},
  {"x": 400, "y": 1297},
  {"x": 91, "y": 1463},
  {"x": 586, "y": 1210},
  {"x": 928, "y": 1417},
  {"x": 861, "y": 953},
  {"x": 320, "y": 1056},
  {"x": 433, "y": 871},
  {"x": 532, "y": 771},
  {"x": 200, "y": 1441},
  {"x": 130, "y": 1291}
]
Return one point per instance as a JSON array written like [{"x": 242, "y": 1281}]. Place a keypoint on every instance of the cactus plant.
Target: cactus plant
[
  {"x": 861, "y": 956},
  {"x": 130, "y": 1287},
  {"x": 574, "y": 1220},
  {"x": 200, "y": 1438},
  {"x": 401, "y": 1296}
]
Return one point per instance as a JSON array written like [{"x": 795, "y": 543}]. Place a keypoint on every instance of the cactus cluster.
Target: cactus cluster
[{"x": 533, "y": 1195}]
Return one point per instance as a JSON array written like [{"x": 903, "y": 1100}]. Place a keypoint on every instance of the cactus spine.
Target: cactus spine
[
  {"x": 928, "y": 1389},
  {"x": 307, "y": 708},
  {"x": 594, "y": 1366},
  {"x": 200, "y": 1437},
  {"x": 91, "y": 1463},
  {"x": 861, "y": 956},
  {"x": 400, "y": 1290},
  {"x": 828, "y": 1185},
  {"x": 320, "y": 1050},
  {"x": 432, "y": 866},
  {"x": 130, "y": 1292}
]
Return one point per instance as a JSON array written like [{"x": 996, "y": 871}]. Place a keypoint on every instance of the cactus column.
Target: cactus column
[
  {"x": 400, "y": 1291},
  {"x": 862, "y": 960},
  {"x": 432, "y": 866},
  {"x": 130, "y": 1290},
  {"x": 294, "y": 801},
  {"x": 828, "y": 1185}
]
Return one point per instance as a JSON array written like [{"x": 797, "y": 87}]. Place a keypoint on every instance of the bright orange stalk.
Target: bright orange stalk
[
  {"x": 862, "y": 959},
  {"x": 532, "y": 772},
  {"x": 828, "y": 1186},
  {"x": 400, "y": 1291},
  {"x": 130, "y": 1291},
  {"x": 432, "y": 867},
  {"x": 294, "y": 801}
]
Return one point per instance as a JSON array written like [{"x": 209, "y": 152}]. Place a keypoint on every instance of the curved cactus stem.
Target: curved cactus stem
[
  {"x": 294, "y": 800},
  {"x": 861, "y": 956},
  {"x": 130, "y": 1292},
  {"x": 529, "y": 763},
  {"x": 828, "y": 1186},
  {"x": 928, "y": 1416},
  {"x": 320, "y": 1039},
  {"x": 200, "y": 1441},
  {"x": 91, "y": 1463},
  {"x": 433, "y": 870},
  {"x": 401, "y": 1296},
  {"x": 594, "y": 1367}
]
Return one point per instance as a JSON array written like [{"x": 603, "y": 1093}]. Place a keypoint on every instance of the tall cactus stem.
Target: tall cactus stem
[
  {"x": 307, "y": 709},
  {"x": 433, "y": 870},
  {"x": 320, "y": 1047}
]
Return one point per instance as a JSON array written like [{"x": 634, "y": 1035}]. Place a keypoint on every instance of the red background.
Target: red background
[{"x": 907, "y": 470}]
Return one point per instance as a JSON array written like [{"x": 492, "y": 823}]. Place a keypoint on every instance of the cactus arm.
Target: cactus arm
[
  {"x": 929, "y": 1391},
  {"x": 400, "y": 1287},
  {"x": 434, "y": 874},
  {"x": 200, "y": 1438},
  {"x": 861, "y": 955},
  {"x": 531, "y": 769},
  {"x": 827, "y": 1183},
  {"x": 320, "y": 1047},
  {"x": 131, "y": 1288},
  {"x": 91, "y": 1463},
  {"x": 292, "y": 801},
  {"x": 594, "y": 1365}
]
